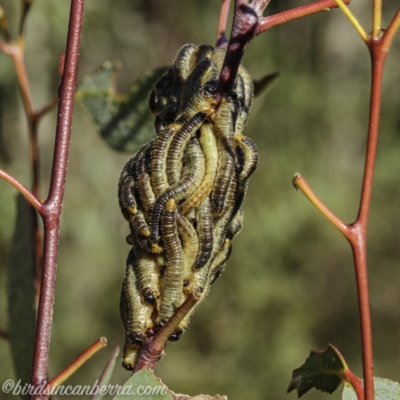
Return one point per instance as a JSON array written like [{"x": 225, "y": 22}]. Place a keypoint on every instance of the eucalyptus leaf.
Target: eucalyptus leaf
[
  {"x": 124, "y": 121},
  {"x": 21, "y": 292},
  {"x": 385, "y": 389},
  {"x": 144, "y": 386},
  {"x": 323, "y": 370}
]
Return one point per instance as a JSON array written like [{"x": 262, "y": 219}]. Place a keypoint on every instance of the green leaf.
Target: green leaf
[
  {"x": 144, "y": 386},
  {"x": 385, "y": 389},
  {"x": 323, "y": 370},
  {"x": 124, "y": 121},
  {"x": 106, "y": 374},
  {"x": 21, "y": 292}
]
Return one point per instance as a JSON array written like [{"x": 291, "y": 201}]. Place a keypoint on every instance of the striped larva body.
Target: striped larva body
[
  {"x": 139, "y": 224},
  {"x": 182, "y": 193},
  {"x": 159, "y": 180},
  {"x": 200, "y": 277},
  {"x": 190, "y": 243},
  {"x": 142, "y": 177},
  {"x": 209, "y": 148},
  {"x": 250, "y": 157},
  {"x": 147, "y": 273},
  {"x": 220, "y": 261},
  {"x": 192, "y": 175},
  {"x": 236, "y": 224},
  {"x": 224, "y": 130},
  {"x": 126, "y": 186},
  {"x": 181, "y": 149},
  {"x": 204, "y": 232},
  {"x": 135, "y": 316},
  {"x": 172, "y": 282},
  {"x": 159, "y": 154}
]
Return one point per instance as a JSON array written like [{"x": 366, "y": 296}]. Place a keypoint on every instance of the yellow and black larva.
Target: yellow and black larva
[
  {"x": 135, "y": 315},
  {"x": 224, "y": 131},
  {"x": 204, "y": 232},
  {"x": 172, "y": 282},
  {"x": 191, "y": 177},
  {"x": 209, "y": 147},
  {"x": 147, "y": 272},
  {"x": 182, "y": 193}
]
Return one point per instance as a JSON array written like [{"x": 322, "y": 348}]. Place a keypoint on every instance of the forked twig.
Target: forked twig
[
  {"x": 248, "y": 22},
  {"x": 356, "y": 232},
  {"x": 76, "y": 364},
  {"x": 52, "y": 206}
]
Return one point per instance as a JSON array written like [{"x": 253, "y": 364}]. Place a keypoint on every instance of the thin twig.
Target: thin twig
[
  {"x": 222, "y": 41},
  {"x": 154, "y": 345},
  {"x": 248, "y": 22},
  {"x": 52, "y": 206},
  {"x": 47, "y": 108},
  {"x": 23, "y": 190},
  {"x": 360, "y": 30},
  {"x": 356, "y": 383},
  {"x": 5, "y": 47},
  {"x": 390, "y": 32},
  {"x": 76, "y": 364},
  {"x": 295, "y": 13},
  {"x": 17, "y": 56},
  {"x": 16, "y": 52},
  {"x": 359, "y": 228},
  {"x": 376, "y": 19},
  {"x": 300, "y": 183}
]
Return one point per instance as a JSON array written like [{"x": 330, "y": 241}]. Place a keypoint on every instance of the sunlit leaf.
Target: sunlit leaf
[
  {"x": 323, "y": 370},
  {"x": 144, "y": 386},
  {"x": 385, "y": 389},
  {"x": 21, "y": 292},
  {"x": 124, "y": 121}
]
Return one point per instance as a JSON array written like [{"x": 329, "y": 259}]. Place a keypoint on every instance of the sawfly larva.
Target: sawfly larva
[
  {"x": 250, "y": 158},
  {"x": 192, "y": 176},
  {"x": 172, "y": 280},
  {"x": 209, "y": 147},
  {"x": 135, "y": 316},
  {"x": 182, "y": 193}
]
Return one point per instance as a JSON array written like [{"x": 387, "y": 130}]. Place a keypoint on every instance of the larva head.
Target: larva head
[
  {"x": 187, "y": 87},
  {"x": 149, "y": 296}
]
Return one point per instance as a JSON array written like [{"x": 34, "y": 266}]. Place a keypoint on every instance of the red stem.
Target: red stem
[
  {"x": 52, "y": 206},
  {"x": 222, "y": 41},
  {"x": 154, "y": 345},
  {"x": 358, "y": 239},
  {"x": 248, "y": 22},
  {"x": 23, "y": 190},
  {"x": 77, "y": 363},
  {"x": 355, "y": 381},
  {"x": 295, "y": 13}
]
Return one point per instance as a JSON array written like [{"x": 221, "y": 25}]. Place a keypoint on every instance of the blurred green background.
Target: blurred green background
[{"x": 289, "y": 285}]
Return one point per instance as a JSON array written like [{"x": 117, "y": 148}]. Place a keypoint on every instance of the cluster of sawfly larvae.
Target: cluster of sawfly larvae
[{"x": 182, "y": 193}]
